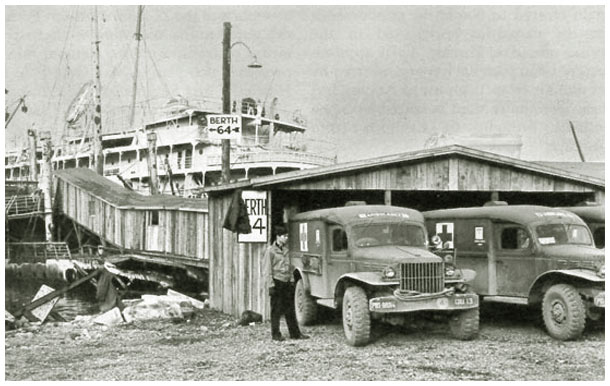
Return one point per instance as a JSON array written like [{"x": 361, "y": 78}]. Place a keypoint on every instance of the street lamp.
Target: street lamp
[{"x": 226, "y": 94}]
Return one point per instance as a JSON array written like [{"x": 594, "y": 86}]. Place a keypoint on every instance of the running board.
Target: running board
[
  {"x": 506, "y": 299},
  {"x": 330, "y": 303}
]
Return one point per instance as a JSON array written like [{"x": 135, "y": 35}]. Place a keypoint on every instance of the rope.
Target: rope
[
  {"x": 63, "y": 54},
  {"x": 149, "y": 52}
]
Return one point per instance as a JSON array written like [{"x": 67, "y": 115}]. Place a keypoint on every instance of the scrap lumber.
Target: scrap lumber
[{"x": 42, "y": 300}]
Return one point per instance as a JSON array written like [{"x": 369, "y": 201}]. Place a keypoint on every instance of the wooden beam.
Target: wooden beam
[
  {"x": 387, "y": 197},
  {"x": 40, "y": 301}
]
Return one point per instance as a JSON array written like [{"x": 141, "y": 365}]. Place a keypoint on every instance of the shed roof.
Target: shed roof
[
  {"x": 521, "y": 214},
  {"x": 453, "y": 150},
  {"x": 592, "y": 169},
  {"x": 349, "y": 214},
  {"x": 123, "y": 198}
]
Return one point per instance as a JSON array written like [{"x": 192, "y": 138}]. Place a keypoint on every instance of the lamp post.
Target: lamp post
[{"x": 226, "y": 95}]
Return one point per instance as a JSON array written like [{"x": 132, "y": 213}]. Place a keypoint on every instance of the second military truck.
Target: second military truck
[{"x": 372, "y": 262}]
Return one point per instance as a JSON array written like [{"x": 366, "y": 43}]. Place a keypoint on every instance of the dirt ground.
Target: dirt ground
[{"x": 210, "y": 346}]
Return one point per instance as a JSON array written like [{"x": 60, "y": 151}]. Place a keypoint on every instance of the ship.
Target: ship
[
  {"x": 187, "y": 158},
  {"x": 268, "y": 145}
]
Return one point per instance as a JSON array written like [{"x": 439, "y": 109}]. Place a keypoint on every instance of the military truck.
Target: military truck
[
  {"x": 595, "y": 217},
  {"x": 530, "y": 255},
  {"x": 372, "y": 262}
]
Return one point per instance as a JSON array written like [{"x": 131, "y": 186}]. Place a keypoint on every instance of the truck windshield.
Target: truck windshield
[
  {"x": 552, "y": 234},
  {"x": 371, "y": 235}
]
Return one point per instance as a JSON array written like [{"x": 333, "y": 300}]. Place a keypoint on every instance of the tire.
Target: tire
[
  {"x": 305, "y": 306},
  {"x": 464, "y": 325},
  {"x": 563, "y": 312},
  {"x": 356, "y": 317}
]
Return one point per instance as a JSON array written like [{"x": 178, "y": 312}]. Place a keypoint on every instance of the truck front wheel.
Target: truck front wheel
[
  {"x": 464, "y": 325},
  {"x": 305, "y": 305},
  {"x": 356, "y": 316},
  {"x": 563, "y": 312}
]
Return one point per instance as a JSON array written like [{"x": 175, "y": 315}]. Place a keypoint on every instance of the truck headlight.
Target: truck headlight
[
  {"x": 389, "y": 273},
  {"x": 449, "y": 270},
  {"x": 602, "y": 271}
]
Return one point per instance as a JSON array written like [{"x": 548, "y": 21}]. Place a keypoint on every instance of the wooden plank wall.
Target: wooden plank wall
[
  {"x": 236, "y": 269},
  {"x": 179, "y": 232}
]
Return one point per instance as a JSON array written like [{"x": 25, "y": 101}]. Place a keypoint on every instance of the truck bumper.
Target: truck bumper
[{"x": 445, "y": 301}]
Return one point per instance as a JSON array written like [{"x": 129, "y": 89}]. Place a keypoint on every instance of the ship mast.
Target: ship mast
[
  {"x": 138, "y": 37},
  {"x": 98, "y": 158}
]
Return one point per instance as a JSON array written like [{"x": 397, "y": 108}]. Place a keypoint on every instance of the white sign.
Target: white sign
[
  {"x": 256, "y": 206},
  {"x": 44, "y": 310},
  {"x": 224, "y": 126},
  {"x": 445, "y": 231},
  {"x": 303, "y": 236},
  {"x": 478, "y": 233}
]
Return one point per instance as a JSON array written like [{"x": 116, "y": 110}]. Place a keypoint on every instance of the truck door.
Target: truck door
[
  {"x": 472, "y": 240},
  {"x": 515, "y": 259},
  {"x": 339, "y": 261}
]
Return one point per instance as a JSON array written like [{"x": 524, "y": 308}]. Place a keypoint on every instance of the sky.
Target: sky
[{"x": 369, "y": 80}]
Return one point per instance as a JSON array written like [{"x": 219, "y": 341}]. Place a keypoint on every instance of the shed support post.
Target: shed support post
[
  {"x": 495, "y": 196},
  {"x": 387, "y": 197}
]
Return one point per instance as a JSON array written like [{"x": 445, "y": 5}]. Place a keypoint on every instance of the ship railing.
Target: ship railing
[
  {"x": 23, "y": 204},
  {"x": 274, "y": 156},
  {"x": 117, "y": 119},
  {"x": 36, "y": 251}
]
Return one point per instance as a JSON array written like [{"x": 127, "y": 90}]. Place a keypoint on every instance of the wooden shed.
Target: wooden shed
[
  {"x": 125, "y": 219},
  {"x": 446, "y": 177}
]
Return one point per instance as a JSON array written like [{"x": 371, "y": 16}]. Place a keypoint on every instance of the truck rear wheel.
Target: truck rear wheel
[
  {"x": 464, "y": 325},
  {"x": 356, "y": 316},
  {"x": 563, "y": 312},
  {"x": 305, "y": 305}
]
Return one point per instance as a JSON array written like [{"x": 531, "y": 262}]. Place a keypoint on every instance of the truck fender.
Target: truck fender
[
  {"x": 298, "y": 273},
  {"x": 583, "y": 274},
  {"x": 370, "y": 278}
]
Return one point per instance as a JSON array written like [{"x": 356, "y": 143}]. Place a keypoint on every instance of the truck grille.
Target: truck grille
[{"x": 422, "y": 277}]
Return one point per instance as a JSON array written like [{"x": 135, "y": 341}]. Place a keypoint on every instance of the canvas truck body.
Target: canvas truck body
[
  {"x": 373, "y": 262},
  {"x": 531, "y": 255}
]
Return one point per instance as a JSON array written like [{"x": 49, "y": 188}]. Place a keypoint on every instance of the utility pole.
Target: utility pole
[
  {"x": 98, "y": 157},
  {"x": 45, "y": 183},
  {"x": 582, "y": 157},
  {"x": 151, "y": 137},
  {"x": 33, "y": 160},
  {"x": 226, "y": 101},
  {"x": 138, "y": 37}
]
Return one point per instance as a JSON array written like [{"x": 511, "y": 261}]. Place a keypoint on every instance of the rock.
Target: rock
[
  {"x": 249, "y": 317},
  {"x": 203, "y": 329},
  {"x": 194, "y": 302},
  {"x": 110, "y": 318}
]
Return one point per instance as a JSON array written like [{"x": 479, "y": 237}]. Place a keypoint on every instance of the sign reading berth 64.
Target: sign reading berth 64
[{"x": 224, "y": 126}]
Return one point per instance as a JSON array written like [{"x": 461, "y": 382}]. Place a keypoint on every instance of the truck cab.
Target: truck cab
[
  {"x": 595, "y": 217},
  {"x": 373, "y": 262},
  {"x": 531, "y": 255}
]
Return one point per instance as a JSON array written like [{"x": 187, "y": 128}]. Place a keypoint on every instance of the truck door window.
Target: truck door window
[
  {"x": 339, "y": 240},
  {"x": 513, "y": 237}
]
